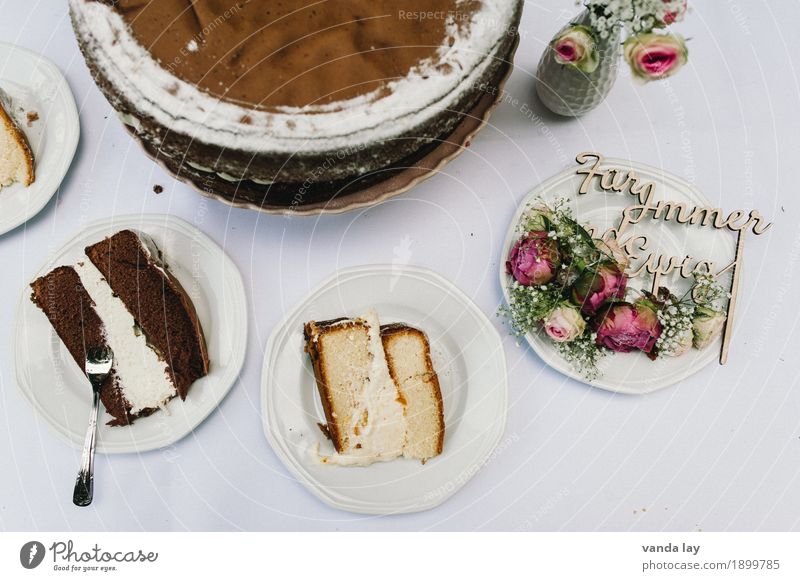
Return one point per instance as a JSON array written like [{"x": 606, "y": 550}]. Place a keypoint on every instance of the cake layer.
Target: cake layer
[
  {"x": 60, "y": 294},
  {"x": 409, "y": 358},
  {"x": 131, "y": 265},
  {"x": 16, "y": 159},
  {"x": 362, "y": 405},
  {"x": 143, "y": 377},
  {"x": 294, "y": 53}
]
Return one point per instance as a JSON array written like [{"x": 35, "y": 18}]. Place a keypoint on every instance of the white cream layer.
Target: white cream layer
[
  {"x": 143, "y": 377},
  {"x": 378, "y": 429},
  {"x": 427, "y": 89}
]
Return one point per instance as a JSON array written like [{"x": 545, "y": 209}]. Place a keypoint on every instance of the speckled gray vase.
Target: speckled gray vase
[{"x": 567, "y": 91}]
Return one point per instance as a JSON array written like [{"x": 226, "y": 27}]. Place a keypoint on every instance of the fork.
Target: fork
[{"x": 98, "y": 365}]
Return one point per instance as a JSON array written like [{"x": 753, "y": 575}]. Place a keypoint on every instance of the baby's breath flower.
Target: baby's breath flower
[
  {"x": 636, "y": 16},
  {"x": 583, "y": 354}
]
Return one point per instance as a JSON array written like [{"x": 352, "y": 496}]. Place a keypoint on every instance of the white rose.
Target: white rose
[
  {"x": 707, "y": 325},
  {"x": 564, "y": 323}
]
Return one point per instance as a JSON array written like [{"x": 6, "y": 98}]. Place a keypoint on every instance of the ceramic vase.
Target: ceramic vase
[{"x": 564, "y": 89}]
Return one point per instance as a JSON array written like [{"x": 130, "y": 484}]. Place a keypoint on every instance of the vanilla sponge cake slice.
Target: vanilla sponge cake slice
[
  {"x": 16, "y": 159},
  {"x": 363, "y": 407},
  {"x": 377, "y": 406},
  {"x": 409, "y": 357}
]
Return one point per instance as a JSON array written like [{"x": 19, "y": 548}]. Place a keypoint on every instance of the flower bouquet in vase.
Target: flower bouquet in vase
[
  {"x": 579, "y": 66},
  {"x": 574, "y": 289}
]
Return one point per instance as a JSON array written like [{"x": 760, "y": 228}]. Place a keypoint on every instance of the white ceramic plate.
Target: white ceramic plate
[
  {"x": 469, "y": 360},
  {"x": 36, "y": 85},
  {"x": 632, "y": 373},
  {"x": 55, "y": 385}
]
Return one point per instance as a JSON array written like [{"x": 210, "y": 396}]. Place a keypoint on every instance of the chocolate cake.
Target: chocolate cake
[
  {"x": 287, "y": 103},
  {"x": 70, "y": 309},
  {"x": 122, "y": 296}
]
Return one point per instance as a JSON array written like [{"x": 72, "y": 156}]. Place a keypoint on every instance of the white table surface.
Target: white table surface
[{"x": 721, "y": 451}]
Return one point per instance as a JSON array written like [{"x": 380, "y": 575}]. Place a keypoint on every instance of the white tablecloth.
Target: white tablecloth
[{"x": 717, "y": 452}]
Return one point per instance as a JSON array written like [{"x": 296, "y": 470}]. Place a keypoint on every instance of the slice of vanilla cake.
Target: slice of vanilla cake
[
  {"x": 363, "y": 408},
  {"x": 409, "y": 357},
  {"x": 16, "y": 159},
  {"x": 367, "y": 395}
]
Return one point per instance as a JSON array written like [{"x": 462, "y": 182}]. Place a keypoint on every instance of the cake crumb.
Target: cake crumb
[
  {"x": 158, "y": 189},
  {"x": 192, "y": 46},
  {"x": 33, "y": 116}
]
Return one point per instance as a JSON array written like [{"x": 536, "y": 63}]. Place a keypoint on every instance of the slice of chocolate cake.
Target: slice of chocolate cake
[
  {"x": 144, "y": 316},
  {"x": 70, "y": 309},
  {"x": 133, "y": 267}
]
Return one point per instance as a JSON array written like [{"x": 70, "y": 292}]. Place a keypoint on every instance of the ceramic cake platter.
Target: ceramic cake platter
[
  {"x": 36, "y": 86},
  {"x": 468, "y": 357},
  {"x": 630, "y": 373},
  {"x": 57, "y": 389}
]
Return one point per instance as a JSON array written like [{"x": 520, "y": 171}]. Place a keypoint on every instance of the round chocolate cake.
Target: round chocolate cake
[{"x": 293, "y": 102}]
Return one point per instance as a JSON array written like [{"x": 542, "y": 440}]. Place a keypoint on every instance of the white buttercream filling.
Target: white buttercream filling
[
  {"x": 429, "y": 88},
  {"x": 143, "y": 376},
  {"x": 378, "y": 428}
]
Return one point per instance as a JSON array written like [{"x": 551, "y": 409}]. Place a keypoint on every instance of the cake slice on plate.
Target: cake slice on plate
[
  {"x": 123, "y": 297},
  {"x": 378, "y": 388},
  {"x": 16, "y": 158}
]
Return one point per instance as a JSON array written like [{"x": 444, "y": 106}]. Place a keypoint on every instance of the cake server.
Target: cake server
[{"x": 98, "y": 365}]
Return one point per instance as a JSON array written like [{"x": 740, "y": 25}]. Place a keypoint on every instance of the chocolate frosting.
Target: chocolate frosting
[{"x": 292, "y": 53}]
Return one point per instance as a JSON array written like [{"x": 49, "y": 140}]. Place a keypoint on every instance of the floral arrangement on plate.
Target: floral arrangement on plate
[
  {"x": 575, "y": 290},
  {"x": 579, "y": 66}
]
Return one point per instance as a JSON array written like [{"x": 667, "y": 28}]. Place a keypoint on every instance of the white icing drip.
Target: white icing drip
[
  {"x": 360, "y": 121},
  {"x": 5, "y": 101},
  {"x": 143, "y": 376},
  {"x": 378, "y": 429},
  {"x": 151, "y": 251}
]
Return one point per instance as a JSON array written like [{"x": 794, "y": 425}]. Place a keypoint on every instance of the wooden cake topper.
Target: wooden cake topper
[{"x": 645, "y": 206}]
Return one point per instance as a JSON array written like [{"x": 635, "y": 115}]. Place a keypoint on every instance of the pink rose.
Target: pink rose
[
  {"x": 625, "y": 327},
  {"x": 564, "y": 323},
  {"x": 576, "y": 47},
  {"x": 533, "y": 259},
  {"x": 655, "y": 56},
  {"x": 597, "y": 286}
]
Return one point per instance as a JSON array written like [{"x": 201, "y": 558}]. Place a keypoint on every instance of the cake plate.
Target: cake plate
[
  {"x": 468, "y": 356},
  {"x": 37, "y": 87},
  {"x": 59, "y": 392}
]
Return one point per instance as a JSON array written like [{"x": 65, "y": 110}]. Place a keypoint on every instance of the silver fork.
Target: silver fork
[{"x": 98, "y": 365}]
